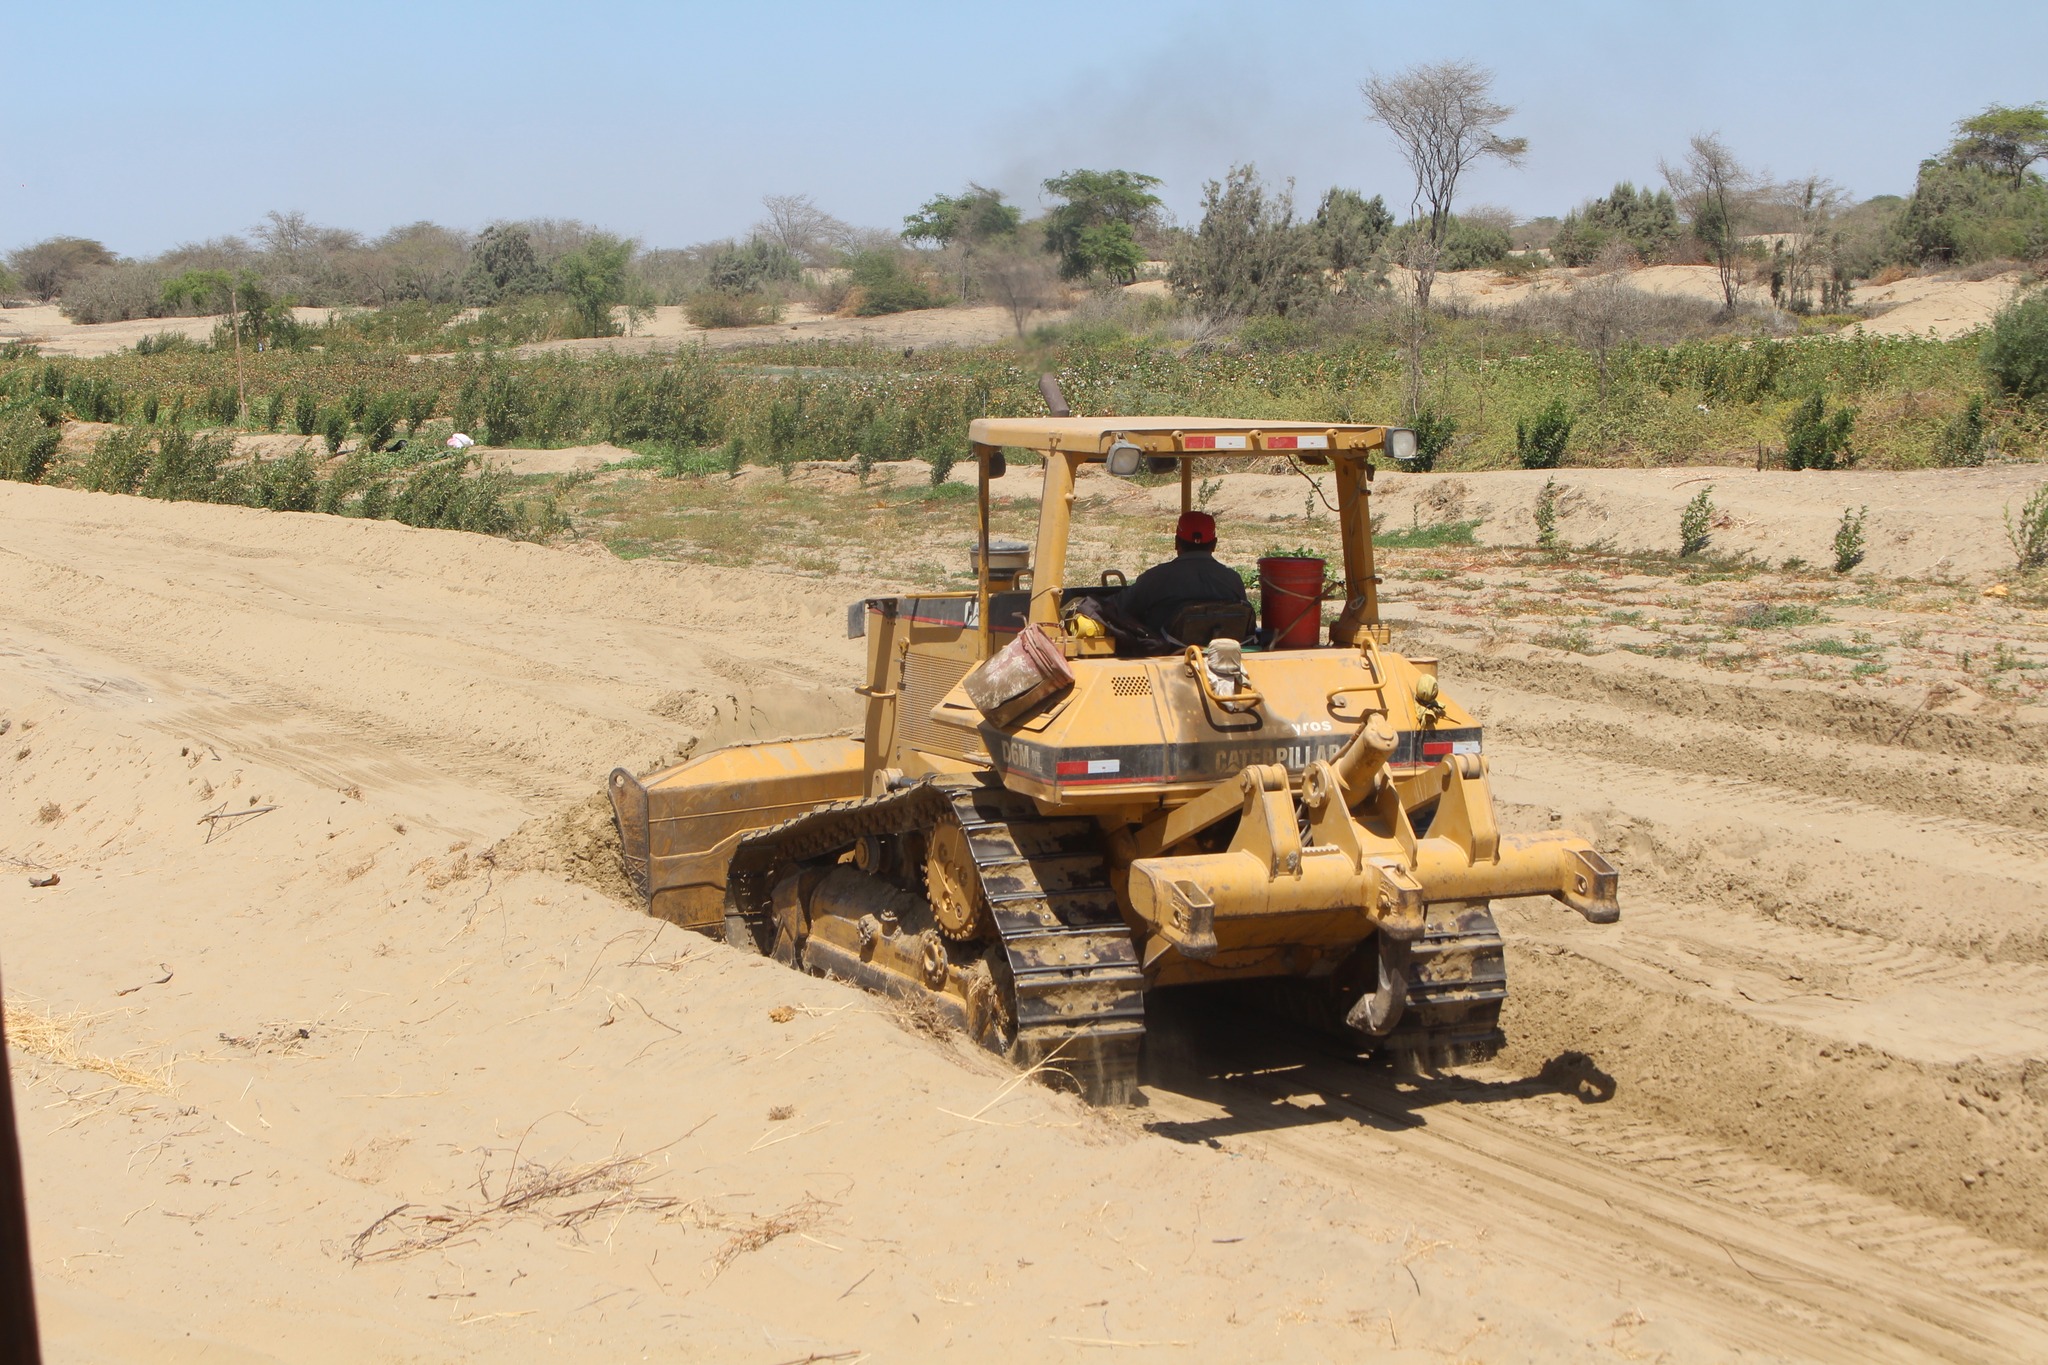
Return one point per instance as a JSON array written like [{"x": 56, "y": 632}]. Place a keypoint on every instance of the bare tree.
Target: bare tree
[
  {"x": 1444, "y": 119},
  {"x": 1804, "y": 258},
  {"x": 1714, "y": 191},
  {"x": 1021, "y": 278},
  {"x": 809, "y": 233}
]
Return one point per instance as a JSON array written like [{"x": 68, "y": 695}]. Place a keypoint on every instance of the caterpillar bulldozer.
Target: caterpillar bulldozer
[{"x": 1314, "y": 820}]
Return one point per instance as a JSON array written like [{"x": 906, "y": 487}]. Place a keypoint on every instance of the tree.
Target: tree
[
  {"x": 1444, "y": 120},
  {"x": 2004, "y": 140},
  {"x": 970, "y": 220},
  {"x": 1713, "y": 190},
  {"x": 502, "y": 265},
  {"x": 976, "y": 214},
  {"x": 1116, "y": 205},
  {"x": 1350, "y": 230},
  {"x": 801, "y": 228},
  {"x": 1248, "y": 256},
  {"x": 595, "y": 279},
  {"x": 1806, "y": 256},
  {"x": 1646, "y": 221},
  {"x": 750, "y": 268},
  {"x": 47, "y": 266},
  {"x": 1020, "y": 278},
  {"x": 2015, "y": 350}
]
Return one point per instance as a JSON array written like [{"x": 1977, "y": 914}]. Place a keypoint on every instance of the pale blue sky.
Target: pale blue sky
[{"x": 147, "y": 124}]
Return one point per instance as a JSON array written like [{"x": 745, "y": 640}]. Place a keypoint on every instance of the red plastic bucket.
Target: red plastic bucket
[{"x": 1291, "y": 602}]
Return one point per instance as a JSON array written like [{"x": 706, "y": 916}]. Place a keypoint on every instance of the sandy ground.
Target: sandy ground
[
  {"x": 668, "y": 328},
  {"x": 46, "y": 325},
  {"x": 1917, "y": 306},
  {"x": 343, "y": 1049}
]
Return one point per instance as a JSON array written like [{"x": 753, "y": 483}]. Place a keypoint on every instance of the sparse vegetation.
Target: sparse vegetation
[
  {"x": 1546, "y": 515},
  {"x": 2028, "y": 534},
  {"x": 1696, "y": 523},
  {"x": 1818, "y": 439},
  {"x": 1849, "y": 539},
  {"x": 1541, "y": 439}
]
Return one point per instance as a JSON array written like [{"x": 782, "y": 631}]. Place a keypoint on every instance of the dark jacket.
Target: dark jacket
[{"x": 1189, "y": 577}]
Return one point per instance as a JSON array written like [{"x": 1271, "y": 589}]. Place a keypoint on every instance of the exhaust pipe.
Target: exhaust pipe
[{"x": 1055, "y": 401}]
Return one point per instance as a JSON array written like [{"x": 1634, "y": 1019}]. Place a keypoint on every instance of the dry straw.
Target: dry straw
[{"x": 53, "y": 1038}]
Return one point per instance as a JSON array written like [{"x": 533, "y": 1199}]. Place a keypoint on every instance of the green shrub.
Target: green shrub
[
  {"x": 1849, "y": 540},
  {"x": 1696, "y": 523},
  {"x": 1540, "y": 441},
  {"x": 443, "y": 494},
  {"x": 2015, "y": 350},
  {"x": 375, "y": 504},
  {"x": 288, "y": 485},
  {"x": 882, "y": 285},
  {"x": 222, "y": 405},
  {"x": 380, "y": 421},
  {"x": 1433, "y": 433},
  {"x": 187, "y": 468},
  {"x": 164, "y": 343},
  {"x": 151, "y": 406},
  {"x": 712, "y": 309},
  {"x": 1546, "y": 515},
  {"x": 2029, "y": 535},
  {"x": 419, "y": 409},
  {"x": 1961, "y": 442},
  {"x": 118, "y": 461},
  {"x": 305, "y": 414},
  {"x": 27, "y": 445},
  {"x": 94, "y": 398},
  {"x": 507, "y": 409},
  {"x": 1818, "y": 439},
  {"x": 334, "y": 427}
]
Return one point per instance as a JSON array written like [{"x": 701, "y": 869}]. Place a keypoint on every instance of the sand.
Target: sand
[{"x": 411, "y": 1081}]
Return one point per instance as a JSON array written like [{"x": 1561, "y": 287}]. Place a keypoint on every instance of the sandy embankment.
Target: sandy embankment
[{"x": 389, "y": 990}]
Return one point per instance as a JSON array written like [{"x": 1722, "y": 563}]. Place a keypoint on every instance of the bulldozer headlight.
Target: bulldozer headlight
[
  {"x": 1401, "y": 444},
  {"x": 1124, "y": 459}
]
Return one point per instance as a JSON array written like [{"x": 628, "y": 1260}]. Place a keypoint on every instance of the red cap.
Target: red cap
[{"x": 1195, "y": 528}]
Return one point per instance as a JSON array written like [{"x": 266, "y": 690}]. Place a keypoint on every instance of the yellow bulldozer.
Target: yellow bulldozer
[{"x": 1039, "y": 824}]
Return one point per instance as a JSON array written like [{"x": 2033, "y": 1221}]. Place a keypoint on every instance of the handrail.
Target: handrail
[{"x": 1198, "y": 664}]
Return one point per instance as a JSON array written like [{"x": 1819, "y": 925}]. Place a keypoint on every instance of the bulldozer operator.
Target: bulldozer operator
[{"x": 1192, "y": 578}]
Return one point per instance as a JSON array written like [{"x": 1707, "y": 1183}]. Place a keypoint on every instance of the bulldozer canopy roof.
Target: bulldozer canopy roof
[{"x": 1203, "y": 436}]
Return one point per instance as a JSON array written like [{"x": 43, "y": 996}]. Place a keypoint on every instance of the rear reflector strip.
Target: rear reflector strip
[
  {"x": 1297, "y": 442},
  {"x": 1090, "y": 767},
  {"x": 1215, "y": 443}
]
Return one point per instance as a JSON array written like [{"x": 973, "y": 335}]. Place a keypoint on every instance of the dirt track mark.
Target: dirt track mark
[
  {"x": 1643, "y": 686},
  {"x": 1617, "y": 1219}
]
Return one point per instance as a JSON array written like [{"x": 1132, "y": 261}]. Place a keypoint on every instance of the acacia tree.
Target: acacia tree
[
  {"x": 970, "y": 220},
  {"x": 2002, "y": 139},
  {"x": 1096, "y": 229},
  {"x": 1444, "y": 119},
  {"x": 1714, "y": 192},
  {"x": 800, "y": 227}
]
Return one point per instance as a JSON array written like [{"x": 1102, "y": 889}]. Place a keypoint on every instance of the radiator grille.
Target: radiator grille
[
  {"x": 926, "y": 683},
  {"x": 1131, "y": 685}
]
